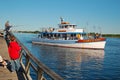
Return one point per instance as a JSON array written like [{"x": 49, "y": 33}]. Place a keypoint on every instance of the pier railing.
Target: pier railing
[{"x": 30, "y": 63}]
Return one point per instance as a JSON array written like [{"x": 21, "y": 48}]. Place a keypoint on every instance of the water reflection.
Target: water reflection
[
  {"x": 72, "y": 63},
  {"x": 77, "y": 55}
]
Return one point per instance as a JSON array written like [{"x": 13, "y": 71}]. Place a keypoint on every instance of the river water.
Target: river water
[{"x": 78, "y": 64}]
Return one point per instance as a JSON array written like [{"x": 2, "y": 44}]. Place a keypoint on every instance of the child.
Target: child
[
  {"x": 14, "y": 53},
  {"x": 3, "y": 62}
]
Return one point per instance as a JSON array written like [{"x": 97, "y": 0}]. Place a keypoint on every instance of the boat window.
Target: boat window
[
  {"x": 51, "y": 35},
  {"x": 73, "y": 26},
  {"x": 54, "y": 35},
  {"x": 47, "y": 35},
  {"x": 72, "y": 36},
  {"x": 66, "y": 26},
  {"x": 58, "y": 35},
  {"x": 39, "y": 36},
  {"x": 44, "y": 35}
]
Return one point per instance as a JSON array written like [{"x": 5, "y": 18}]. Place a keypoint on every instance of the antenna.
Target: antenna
[
  {"x": 100, "y": 29},
  {"x": 61, "y": 19},
  {"x": 94, "y": 27},
  {"x": 87, "y": 27}
]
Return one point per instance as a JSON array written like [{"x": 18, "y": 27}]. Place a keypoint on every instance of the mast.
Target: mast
[{"x": 61, "y": 19}]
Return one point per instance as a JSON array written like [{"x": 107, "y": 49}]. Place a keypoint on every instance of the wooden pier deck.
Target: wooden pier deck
[
  {"x": 27, "y": 61},
  {"x": 5, "y": 74}
]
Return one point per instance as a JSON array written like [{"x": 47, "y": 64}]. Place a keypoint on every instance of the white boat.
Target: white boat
[{"x": 67, "y": 35}]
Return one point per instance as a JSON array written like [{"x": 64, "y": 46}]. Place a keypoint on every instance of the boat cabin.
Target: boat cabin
[
  {"x": 65, "y": 31},
  {"x": 67, "y": 25}
]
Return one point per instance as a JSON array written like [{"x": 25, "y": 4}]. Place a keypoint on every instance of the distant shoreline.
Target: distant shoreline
[
  {"x": 111, "y": 35},
  {"x": 104, "y": 35}
]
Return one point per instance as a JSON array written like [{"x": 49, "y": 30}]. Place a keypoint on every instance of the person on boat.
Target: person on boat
[
  {"x": 79, "y": 37},
  {"x": 90, "y": 36},
  {"x": 97, "y": 36}
]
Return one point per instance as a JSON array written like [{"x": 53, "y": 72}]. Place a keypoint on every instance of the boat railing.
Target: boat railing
[{"x": 30, "y": 63}]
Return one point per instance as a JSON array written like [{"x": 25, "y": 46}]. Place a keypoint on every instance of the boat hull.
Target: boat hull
[{"x": 70, "y": 43}]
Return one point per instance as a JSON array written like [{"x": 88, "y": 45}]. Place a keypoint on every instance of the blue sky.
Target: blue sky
[{"x": 93, "y": 15}]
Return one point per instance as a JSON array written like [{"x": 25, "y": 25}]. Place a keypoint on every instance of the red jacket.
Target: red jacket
[{"x": 14, "y": 50}]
